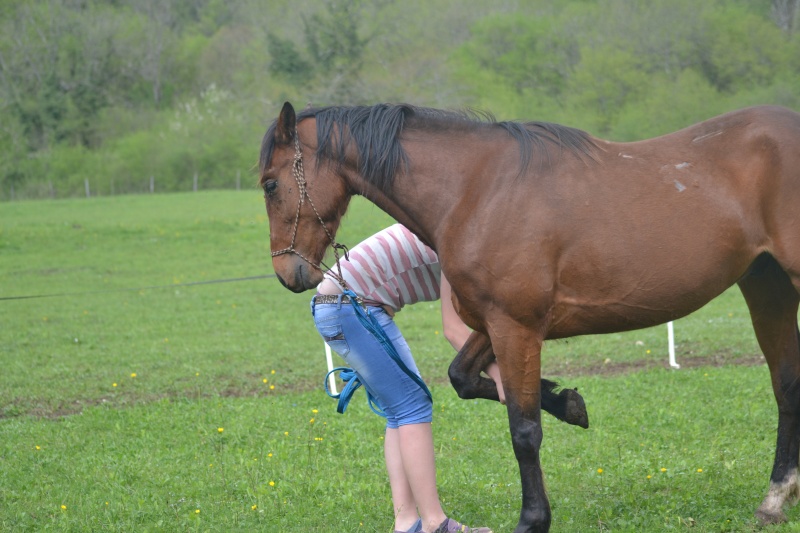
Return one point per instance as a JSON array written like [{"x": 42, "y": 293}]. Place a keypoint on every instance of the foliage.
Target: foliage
[{"x": 87, "y": 87}]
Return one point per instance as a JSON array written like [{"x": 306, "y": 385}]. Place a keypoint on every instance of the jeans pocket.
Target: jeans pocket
[{"x": 334, "y": 337}]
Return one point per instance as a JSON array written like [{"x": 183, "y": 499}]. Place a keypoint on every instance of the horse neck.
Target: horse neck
[{"x": 420, "y": 199}]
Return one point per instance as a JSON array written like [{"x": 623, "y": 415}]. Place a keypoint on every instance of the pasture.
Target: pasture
[{"x": 135, "y": 400}]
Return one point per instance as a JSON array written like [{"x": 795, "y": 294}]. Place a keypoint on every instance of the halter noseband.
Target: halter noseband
[{"x": 300, "y": 177}]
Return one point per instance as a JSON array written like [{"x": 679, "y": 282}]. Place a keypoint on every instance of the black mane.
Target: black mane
[{"x": 376, "y": 131}]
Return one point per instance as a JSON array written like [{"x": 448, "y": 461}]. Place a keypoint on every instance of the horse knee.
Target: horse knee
[
  {"x": 460, "y": 382},
  {"x": 527, "y": 435}
]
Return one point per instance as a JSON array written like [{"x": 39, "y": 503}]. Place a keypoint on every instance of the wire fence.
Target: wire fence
[{"x": 88, "y": 188}]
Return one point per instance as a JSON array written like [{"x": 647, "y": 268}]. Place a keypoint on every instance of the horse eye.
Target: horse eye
[{"x": 270, "y": 186}]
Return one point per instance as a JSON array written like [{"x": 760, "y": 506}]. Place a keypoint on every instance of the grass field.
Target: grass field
[{"x": 134, "y": 400}]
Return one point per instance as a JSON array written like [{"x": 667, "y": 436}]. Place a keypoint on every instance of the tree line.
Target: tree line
[{"x": 126, "y": 93}]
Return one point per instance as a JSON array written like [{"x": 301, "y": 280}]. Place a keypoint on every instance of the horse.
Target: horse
[{"x": 546, "y": 232}]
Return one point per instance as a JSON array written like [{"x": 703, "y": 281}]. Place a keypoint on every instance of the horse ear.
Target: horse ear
[{"x": 287, "y": 122}]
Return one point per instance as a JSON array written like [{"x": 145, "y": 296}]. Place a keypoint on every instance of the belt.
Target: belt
[{"x": 331, "y": 298}]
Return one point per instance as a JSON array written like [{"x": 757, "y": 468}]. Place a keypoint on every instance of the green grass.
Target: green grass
[{"x": 144, "y": 453}]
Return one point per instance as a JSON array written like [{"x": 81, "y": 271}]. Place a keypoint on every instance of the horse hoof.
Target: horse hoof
[
  {"x": 766, "y": 517},
  {"x": 575, "y": 413}
]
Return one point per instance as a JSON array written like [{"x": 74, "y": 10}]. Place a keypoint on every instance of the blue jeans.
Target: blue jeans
[{"x": 398, "y": 396}]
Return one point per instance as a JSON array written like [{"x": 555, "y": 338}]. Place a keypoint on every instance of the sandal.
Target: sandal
[
  {"x": 451, "y": 526},
  {"x": 416, "y": 528}
]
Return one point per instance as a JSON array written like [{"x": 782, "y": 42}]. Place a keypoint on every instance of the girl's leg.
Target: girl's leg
[
  {"x": 405, "y": 508},
  {"x": 419, "y": 465}
]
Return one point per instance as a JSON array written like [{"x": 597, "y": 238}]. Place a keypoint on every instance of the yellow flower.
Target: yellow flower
[
  {"x": 254, "y": 507},
  {"x": 220, "y": 430},
  {"x": 133, "y": 374},
  {"x": 271, "y": 483},
  {"x": 699, "y": 470},
  {"x": 63, "y": 507},
  {"x": 663, "y": 469},
  {"x": 315, "y": 411},
  {"x": 271, "y": 371},
  {"x": 599, "y": 470},
  {"x": 311, "y": 421},
  {"x": 286, "y": 433},
  {"x": 113, "y": 384},
  {"x": 649, "y": 476},
  {"x": 38, "y": 448},
  {"x": 272, "y": 387},
  {"x": 197, "y": 511},
  {"x": 265, "y": 380},
  {"x": 269, "y": 454}
]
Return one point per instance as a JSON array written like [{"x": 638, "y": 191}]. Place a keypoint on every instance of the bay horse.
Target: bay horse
[{"x": 547, "y": 232}]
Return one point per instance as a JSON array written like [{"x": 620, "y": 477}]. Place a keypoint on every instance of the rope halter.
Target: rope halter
[{"x": 299, "y": 176}]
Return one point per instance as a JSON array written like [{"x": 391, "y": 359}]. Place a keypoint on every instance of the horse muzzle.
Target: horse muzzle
[{"x": 295, "y": 274}]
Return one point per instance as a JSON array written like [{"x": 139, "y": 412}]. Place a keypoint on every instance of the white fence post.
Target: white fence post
[
  {"x": 331, "y": 377},
  {"x": 671, "y": 343},
  {"x": 86, "y": 186},
  {"x": 194, "y": 182}
]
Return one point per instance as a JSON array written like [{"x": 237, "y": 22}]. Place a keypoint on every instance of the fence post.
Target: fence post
[
  {"x": 86, "y": 186},
  {"x": 238, "y": 179},
  {"x": 152, "y": 184},
  {"x": 194, "y": 182}
]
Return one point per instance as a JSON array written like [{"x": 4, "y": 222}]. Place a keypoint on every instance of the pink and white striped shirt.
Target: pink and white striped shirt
[{"x": 394, "y": 268}]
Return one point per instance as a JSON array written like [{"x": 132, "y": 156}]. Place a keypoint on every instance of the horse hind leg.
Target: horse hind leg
[
  {"x": 772, "y": 297},
  {"x": 476, "y": 354}
]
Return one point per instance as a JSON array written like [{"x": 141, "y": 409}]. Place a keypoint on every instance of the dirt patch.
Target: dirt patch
[{"x": 617, "y": 368}]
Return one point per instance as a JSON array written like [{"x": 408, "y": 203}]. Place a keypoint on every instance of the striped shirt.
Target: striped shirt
[{"x": 393, "y": 267}]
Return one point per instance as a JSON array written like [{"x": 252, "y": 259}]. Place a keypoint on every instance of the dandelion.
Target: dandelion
[
  {"x": 663, "y": 469},
  {"x": 220, "y": 430},
  {"x": 271, "y": 371},
  {"x": 265, "y": 380},
  {"x": 269, "y": 454},
  {"x": 315, "y": 411},
  {"x": 133, "y": 374},
  {"x": 271, "y": 483},
  {"x": 649, "y": 476},
  {"x": 599, "y": 470},
  {"x": 648, "y": 351},
  {"x": 272, "y": 387},
  {"x": 106, "y": 504},
  {"x": 699, "y": 470},
  {"x": 197, "y": 373},
  {"x": 253, "y": 508},
  {"x": 197, "y": 511},
  {"x": 63, "y": 507},
  {"x": 38, "y": 447},
  {"x": 286, "y": 433},
  {"x": 435, "y": 332},
  {"x": 311, "y": 421},
  {"x": 113, "y": 384}
]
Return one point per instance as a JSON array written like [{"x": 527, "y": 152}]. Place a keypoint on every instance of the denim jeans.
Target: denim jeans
[{"x": 398, "y": 396}]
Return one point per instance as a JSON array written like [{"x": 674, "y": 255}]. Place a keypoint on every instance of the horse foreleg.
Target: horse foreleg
[
  {"x": 519, "y": 354},
  {"x": 477, "y": 353},
  {"x": 773, "y": 304}
]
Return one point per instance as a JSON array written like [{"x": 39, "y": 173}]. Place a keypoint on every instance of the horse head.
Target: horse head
[{"x": 300, "y": 229}]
